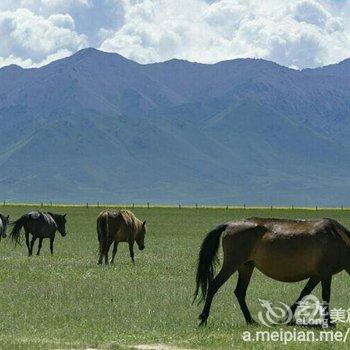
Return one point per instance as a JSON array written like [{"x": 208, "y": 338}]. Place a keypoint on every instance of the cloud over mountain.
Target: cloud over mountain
[
  {"x": 301, "y": 33},
  {"x": 29, "y": 39}
]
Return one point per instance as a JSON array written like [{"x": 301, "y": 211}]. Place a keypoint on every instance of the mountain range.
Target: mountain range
[{"x": 98, "y": 127}]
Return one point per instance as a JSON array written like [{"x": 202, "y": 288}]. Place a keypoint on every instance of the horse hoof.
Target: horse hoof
[
  {"x": 203, "y": 321},
  {"x": 290, "y": 323},
  {"x": 252, "y": 322}
]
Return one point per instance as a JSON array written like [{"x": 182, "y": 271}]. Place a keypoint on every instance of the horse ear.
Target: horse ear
[
  {"x": 144, "y": 223},
  {"x": 64, "y": 215},
  {"x": 8, "y": 216}
]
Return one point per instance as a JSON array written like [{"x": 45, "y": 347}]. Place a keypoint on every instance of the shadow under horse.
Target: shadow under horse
[
  {"x": 39, "y": 225},
  {"x": 285, "y": 250}
]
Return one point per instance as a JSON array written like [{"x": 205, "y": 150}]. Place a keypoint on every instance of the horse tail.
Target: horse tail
[
  {"x": 98, "y": 229},
  {"x": 207, "y": 260},
  {"x": 102, "y": 231},
  {"x": 16, "y": 231}
]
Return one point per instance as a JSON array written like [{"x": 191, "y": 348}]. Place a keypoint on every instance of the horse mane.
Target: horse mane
[
  {"x": 129, "y": 218},
  {"x": 340, "y": 230}
]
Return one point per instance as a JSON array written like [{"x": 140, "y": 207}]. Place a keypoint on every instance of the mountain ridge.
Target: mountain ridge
[{"x": 97, "y": 126}]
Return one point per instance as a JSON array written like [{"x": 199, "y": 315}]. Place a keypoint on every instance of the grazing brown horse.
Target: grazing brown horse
[
  {"x": 285, "y": 250},
  {"x": 40, "y": 225},
  {"x": 119, "y": 226}
]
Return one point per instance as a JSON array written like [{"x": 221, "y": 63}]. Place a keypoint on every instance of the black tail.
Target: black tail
[
  {"x": 207, "y": 260},
  {"x": 102, "y": 232},
  {"x": 16, "y": 231}
]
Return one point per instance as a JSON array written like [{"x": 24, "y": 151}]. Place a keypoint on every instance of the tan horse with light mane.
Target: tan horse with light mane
[
  {"x": 285, "y": 250},
  {"x": 119, "y": 226}
]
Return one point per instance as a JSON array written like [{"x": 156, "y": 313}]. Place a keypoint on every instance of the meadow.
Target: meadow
[{"x": 68, "y": 301}]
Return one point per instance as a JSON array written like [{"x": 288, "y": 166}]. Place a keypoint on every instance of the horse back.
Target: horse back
[
  {"x": 118, "y": 225},
  {"x": 127, "y": 226},
  {"x": 114, "y": 224},
  {"x": 39, "y": 223},
  {"x": 319, "y": 229},
  {"x": 281, "y": 237},
  {"x": 302, "y": 248}
]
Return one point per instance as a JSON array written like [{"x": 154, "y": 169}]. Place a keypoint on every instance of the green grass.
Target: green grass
[{"x": 68, "y": 301}]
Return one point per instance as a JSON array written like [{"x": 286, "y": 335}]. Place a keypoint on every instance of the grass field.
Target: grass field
[{"x": 68, "y": 301}]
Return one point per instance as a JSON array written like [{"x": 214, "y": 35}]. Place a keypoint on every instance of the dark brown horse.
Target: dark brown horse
[
  {"x": 119, "y": 226},
  {"x": 40, "y": 225},
  {"x": 285, "y": 250},
  {"x": 4, "y": 221}
]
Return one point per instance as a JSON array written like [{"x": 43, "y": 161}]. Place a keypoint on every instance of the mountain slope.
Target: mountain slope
[
  {"x": 96, "y": 126},
  {"x": 342, "y": 69}
]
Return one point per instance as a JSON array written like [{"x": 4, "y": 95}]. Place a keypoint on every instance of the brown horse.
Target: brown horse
[
  {"x": 285, "y": 250},
  {"x": 119, "y": 226}
]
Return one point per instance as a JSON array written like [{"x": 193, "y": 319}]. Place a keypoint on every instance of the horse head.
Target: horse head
[
  {"x": 5, "y": 221},
  {"x": 140, "y": 236},
  {"x": 60, "y": 222}
]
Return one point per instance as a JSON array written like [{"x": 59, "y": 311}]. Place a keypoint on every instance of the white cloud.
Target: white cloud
[
  {"x": 44, "y": 6},
  {"x": 65, "y": 4},
  {"x": 32, "y": 38},
  {"x": 6, "y": 61},
  {"x": 62, "y": 21},
  {"x": 293, "y": 33},
  {"x": 298, "y": 33}
]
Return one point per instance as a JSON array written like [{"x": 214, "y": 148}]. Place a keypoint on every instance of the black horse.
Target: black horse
[
  {"x": 4, "y": 221},
  {"x": 40, "y": 225}
]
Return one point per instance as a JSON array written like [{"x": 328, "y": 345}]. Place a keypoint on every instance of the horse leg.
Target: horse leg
[
  {"x": 32, "y": 245},
  {"x": 103, "y": 251},
  {"x": 326, "y": 294},
  {"x": 100, "y": 258},
  {"x": 245, "y": 273},
  {"x": 309, "y": 287},
  {"x": 106, "y": 250},
  {"x": 131, "y": 251},
  {"x": 115, "y": 247},
  {"x": 39, "y": 247},
  {"x": 27, "y": 241},
  {"x": 224, "y": 274},
  {"x": 52, "y": 239}
]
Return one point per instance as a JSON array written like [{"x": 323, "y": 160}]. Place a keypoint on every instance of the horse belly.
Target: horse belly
[{"x": 287, "y": 261}]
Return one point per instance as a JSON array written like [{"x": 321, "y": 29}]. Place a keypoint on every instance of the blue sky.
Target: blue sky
[{"x": 298, "y": 33}]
